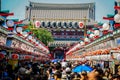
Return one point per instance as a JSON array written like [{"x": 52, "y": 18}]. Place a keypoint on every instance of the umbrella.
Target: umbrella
[
  {"x": 54, "y": 60},
  {"x": 81, "y": 68}
]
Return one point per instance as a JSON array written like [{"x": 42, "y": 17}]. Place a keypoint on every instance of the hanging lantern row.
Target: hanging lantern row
[
  {"x": 15, "y": 56},
  {"x": 58, "y": 24},
  {"x": 74, "y": 48},
  {"x": 103, "y": 54},
  {"x": 94, "y": 34},
  {"x": 105, "y": 29},
  {"x": 27, "y": 35}
]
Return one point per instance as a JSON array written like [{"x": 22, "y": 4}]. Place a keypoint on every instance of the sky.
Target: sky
[{"x": 103, "y": 7}]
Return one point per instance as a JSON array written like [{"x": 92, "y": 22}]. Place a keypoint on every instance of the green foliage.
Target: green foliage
[{"x": 41, "y": 33}]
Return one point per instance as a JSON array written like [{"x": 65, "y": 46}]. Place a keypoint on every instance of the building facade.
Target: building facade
[{"x": 62, "y": 20}]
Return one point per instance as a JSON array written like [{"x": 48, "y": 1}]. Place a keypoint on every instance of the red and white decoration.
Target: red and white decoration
[
  {"x": 96, "y": 33},
  {"x": 117, "y": 21},
  {"x": 92, "y": 35},
  {"x": 81, "y": 25},
  {"x": 37, "y": 24},
  {"x": 86, "y": 40},
  {"x": 105, "y": 28}
]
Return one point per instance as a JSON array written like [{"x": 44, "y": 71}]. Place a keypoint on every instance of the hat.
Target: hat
[{"x": 68, "y": 69}]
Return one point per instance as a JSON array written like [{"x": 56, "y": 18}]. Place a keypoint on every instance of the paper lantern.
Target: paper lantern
[
  {"x": 70, "y": 24},
  {"x": 10, "y": 23},
  {"x": 15, "y": 56},
  {"x": 87, "y": 39},
  {"x": 34, "y": 40},
  {"x": 96, "y": 32},
  {"x": 65, "y": 24},
  {"x": 59, "y": 24},
  {"x": 43, "y": 24},
  {"x": 54, "y": 24},
  {"x": 117, "y": 18},
  {"x": 91, "y": 35},
  {"x": 37, "y": 24},
  {"x": 24, "y": 33},
  {"x": 19, "y": 30},
  {"x": 30, "y": 37},
  {"x": 82, "y": 43},
  {"x": 81, "y": 25},
  {"x": 105, "y": 26},
  {"x": 48, "y": 24}
]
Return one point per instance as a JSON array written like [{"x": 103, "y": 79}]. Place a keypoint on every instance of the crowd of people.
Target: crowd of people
[{"x": 61, "y": 70}]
